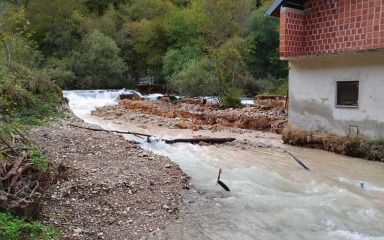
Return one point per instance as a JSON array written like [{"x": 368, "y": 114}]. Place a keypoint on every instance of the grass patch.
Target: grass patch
[
  {"x": 39, "y": 161},
  {"x": 15, "y": 228}
]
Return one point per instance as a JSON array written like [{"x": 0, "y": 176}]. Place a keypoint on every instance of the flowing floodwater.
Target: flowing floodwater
[{"x": 272, "y": 197}]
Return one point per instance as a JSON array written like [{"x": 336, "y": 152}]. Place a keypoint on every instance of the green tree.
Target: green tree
[
  {"x": 175, "y": 60},
  {"x": 196, "y": 79},
  {"x": 54, "y": 24},
  {"x": 229, "y": 63},
  {"x": 149, "y": 44},
  {"x": 97, "y": 63},
  {"x": 137, "y": 10},
  {"x": 265, "y": 60},
  {"x": 227, "y": 19},
  {"x": 101, "y": 6},
  {"x": 24, "y": 52},
  {"x": 188, "y": 26}
]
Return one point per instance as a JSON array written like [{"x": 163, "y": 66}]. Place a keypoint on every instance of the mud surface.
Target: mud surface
[
  {"x": 200, "y": 115},
  {"x": 113, "y": 189}
]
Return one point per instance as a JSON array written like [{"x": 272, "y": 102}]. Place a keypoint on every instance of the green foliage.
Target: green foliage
[
  {"x": 14, "y": 228},
  {"x": 176, "y": 59},
  {"x": 264, "y": 61},
  {"x": 24, "y": 52},
  {"x": 282, "y": 89},
  {"x": 100, "y": 6},
  {"x": 97, "y": 63},
  {"x": 229, "y": 64},
  {"x": 232, "y": 99},
  {"x": 187, "y": 27},
  {"x": 55, "y": 24},
  {"x": 149, "y": 43},
  {"x": 39, "y": 161},
  {"x": 112, "y": 43},
  {"x": 26, "y": 93},
  {"x": 138, "y": 10},
  {"x": 196, "y": 79}
]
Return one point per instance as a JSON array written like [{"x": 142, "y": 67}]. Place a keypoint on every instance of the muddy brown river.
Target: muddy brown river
[{"x": 272, "y": 196}]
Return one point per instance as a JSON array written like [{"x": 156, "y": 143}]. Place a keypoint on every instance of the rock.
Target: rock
[
  {"x": 167, "y": 165},
  {"x": 182, "y": 125},
  {"x": 130, "y": 96},
  {"x": 165, "y": 99},
  {"x": 193, "y": 127},
  {"x": 77, "y": 231},
  {"x": 170, "y": 115}
]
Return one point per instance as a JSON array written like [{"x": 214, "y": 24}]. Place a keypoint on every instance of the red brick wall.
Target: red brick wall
[
  {"x": 291, "y": 34},
  {"x": 332, "y": 26}
]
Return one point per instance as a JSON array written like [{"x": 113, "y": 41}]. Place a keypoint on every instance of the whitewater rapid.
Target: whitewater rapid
[{"x": 272, "y": 197}]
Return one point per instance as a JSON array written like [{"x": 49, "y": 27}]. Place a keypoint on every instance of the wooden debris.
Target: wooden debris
[
  {"x": 221, "y": 183},
  {"x": 198, "y": 140},
  {"x": 180, "y": 140},
  {"x": 111, "y": 131}
]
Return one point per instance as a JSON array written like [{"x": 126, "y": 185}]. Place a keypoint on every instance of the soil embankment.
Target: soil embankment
[
  {"x": 113, "y": 189},
  {"x": 354, "y": 146},
  {"x": 196, "y": 114}
]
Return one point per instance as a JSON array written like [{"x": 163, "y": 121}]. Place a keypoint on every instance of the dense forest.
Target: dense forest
[{"x": 196, "y": 47}]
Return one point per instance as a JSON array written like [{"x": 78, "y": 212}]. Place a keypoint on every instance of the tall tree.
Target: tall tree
[
  {"x": 97, "y": 63},
  {"x": 53, "y": 24},
  {"x": 264, "y": 61}
]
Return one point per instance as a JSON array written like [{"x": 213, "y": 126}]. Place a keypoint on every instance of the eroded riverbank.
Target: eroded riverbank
[
  {"x": 113, "y": 189},
  {"x": 272, "y": 197}
]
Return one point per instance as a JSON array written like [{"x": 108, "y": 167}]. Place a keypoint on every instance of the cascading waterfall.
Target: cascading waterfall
[{"x": 272, "y": 197}]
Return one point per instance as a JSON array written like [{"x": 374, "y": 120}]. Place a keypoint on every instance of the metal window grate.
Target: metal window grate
[{"x": 348, "y": 93}]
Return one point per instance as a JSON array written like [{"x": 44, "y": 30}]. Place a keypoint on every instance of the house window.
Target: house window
[{"x": 347, "y": 94}]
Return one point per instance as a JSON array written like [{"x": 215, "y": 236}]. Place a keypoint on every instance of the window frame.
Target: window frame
[{"x": 337, "y": 94}]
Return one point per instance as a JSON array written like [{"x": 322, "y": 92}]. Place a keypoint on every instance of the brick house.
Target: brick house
[{"x": 335, "y": 50}]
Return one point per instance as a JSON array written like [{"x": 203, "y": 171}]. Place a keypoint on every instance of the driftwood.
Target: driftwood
[
  {"x": 111, "y": 131},
  {"x": 221, "y": 183},
  {"x": 179, "y": 140},
  {"x": 19, "y": 181},
  {"x": 15, "y": 167},
  {"x": 197, "y": 140},
  {"x": 299, "y": 162},
  {"x": 8, "y": 145}
]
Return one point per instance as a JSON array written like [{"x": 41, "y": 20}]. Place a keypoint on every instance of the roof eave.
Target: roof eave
[{"x": 273, "y": 9}]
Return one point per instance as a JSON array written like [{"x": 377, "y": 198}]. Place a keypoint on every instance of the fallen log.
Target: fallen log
[
  {"x": 197, "y": 140},
  {"x": 179, "y": 140},
  {"x": 111, "y": 131}
]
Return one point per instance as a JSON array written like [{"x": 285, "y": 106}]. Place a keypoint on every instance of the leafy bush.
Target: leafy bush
[
  {"x": 194, "y": 80},
  {"x": 232, "y": 99},
  {"x": 24, "y": 52},
  {"x": 176, "y": 59},
  {"x": 15, "y": 228},
  {"x": 97, "y": 63},
  {"x": 25, "y": 93}
]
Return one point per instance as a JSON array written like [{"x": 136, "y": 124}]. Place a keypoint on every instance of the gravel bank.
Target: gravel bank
[{"x": 112, "y": 190}]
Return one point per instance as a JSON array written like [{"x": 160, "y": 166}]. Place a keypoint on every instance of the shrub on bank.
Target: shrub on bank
[{"x": 27, "y": 94}]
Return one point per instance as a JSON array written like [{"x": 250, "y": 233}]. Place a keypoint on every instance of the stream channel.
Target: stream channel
[{"x": 272, "y": 197}]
